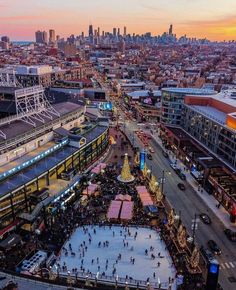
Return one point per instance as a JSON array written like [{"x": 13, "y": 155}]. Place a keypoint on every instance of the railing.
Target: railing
[{"x": 112, "y": 280}]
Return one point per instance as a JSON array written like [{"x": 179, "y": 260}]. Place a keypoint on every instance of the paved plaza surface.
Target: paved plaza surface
[{"x": 96, "y": 249}]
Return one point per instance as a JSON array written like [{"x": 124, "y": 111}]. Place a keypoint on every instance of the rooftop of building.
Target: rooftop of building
[
  {"x": 8, "y": 90},
  {"x": 190, "y": 91},
  {"x": 20, "y": 127},
  {"x": 216, "y": 107},
  {"x": 144, "y": 93},
  {"x": 28, "y": 174},
  {"x": 227, "y": 97},
  {"x": 212, "y": 113}
]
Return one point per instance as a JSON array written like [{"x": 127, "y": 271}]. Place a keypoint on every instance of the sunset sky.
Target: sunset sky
[{"x": 214, "y": 19}]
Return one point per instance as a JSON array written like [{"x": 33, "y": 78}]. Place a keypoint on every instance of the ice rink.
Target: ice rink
[{"x": 96, "y": 249}]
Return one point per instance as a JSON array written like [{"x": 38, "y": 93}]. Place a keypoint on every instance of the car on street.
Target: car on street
[
  {"x": 205, "y": 218},
  {"x": 149, "y": 156},
  {"x": 207, "y": 254},
  {"x": 165, "y": 154},
  {"x": 214, "y": 247},
  {"x": 181, "y": 186},
  {"x": 182, "y": 176},
  {"x": 173, "y": 166},
  {"x": 231, "y": 235},
  {"x": 151, "y": 150}
]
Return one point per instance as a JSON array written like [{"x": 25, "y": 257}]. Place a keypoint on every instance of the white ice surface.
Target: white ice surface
[{"x": 144, "y": 266}]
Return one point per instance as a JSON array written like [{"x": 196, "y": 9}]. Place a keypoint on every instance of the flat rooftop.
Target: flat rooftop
[
  {"x": 19, "y": 127},
  {"x": 143, "y": 93},
  {"x": 8, "y": 90},
  {"x": 27, "y": 175},
  {"x": 26, "y": 157},
  {"x": 30, "y": 173},
  {"x": 190, "y": 91}
]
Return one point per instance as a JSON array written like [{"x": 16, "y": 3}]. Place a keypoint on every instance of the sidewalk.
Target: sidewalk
[{"x": 209, "y": 200}]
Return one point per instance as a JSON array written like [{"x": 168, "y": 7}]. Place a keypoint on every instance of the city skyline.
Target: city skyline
[{"x": 202, "y": 19}]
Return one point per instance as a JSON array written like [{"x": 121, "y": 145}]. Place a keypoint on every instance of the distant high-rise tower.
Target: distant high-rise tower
[
  {"x": 171, "y": 30},
  {"x": 5, "y": 39},
  {"x": 52, "y": 36},
  {"x": 98, "y": 31},
  {"x": 125, "y": 31},
  {"x": 118, "y": 31},
  {"x": 90, "y": 30},
  {"x": 114, "y": 32},
  {"x": 41, "y": 36}
]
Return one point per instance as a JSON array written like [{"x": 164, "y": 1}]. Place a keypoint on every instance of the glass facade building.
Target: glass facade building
[{"x": 172, "y": 103}]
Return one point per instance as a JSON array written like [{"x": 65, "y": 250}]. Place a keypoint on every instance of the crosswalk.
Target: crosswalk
[{"x": 228, "y": 265}]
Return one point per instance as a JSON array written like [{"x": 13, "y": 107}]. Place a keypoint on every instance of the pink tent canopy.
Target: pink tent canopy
[
  {"x": 95, "y": 170},
  {"x": 90, "y": 189},
  {"x": 114, "y": 209},
  {"x": 127, "y": 210},
  {"x": 141, "y": 189},
  {"x": 122, "y": 197},
  {"x": 98, "y": 168},
  {"x": 144, "y": 195}
]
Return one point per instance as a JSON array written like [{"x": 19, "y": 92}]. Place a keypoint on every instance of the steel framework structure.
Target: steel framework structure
[
  {"x": 8, "y": 78},
  {"x": 31, "y": 105}
]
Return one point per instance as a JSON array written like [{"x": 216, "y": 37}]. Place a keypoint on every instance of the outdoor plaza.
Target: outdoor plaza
[{"x": 117, "y": 230}]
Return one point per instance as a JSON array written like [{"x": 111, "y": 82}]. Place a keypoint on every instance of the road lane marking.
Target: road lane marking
[
  {"x": 222, "y": 266},
  {"x": 227, "y": 265},
  {"x": 231, "y": 264}
]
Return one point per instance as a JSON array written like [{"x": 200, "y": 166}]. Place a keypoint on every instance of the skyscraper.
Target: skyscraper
[
  {"x": 118, "y": 32},
  {"x": 114, "y": 32},
  {"x": 41, "y": 36},
  {"x": 5, "y": 39},
  {"x": 125, "y": 31},
  {"x": 171, "y": 30},
  {"x": 91, "y": 30},
  {"x": 45, "y": 37},
  {"x": 52, "y": 36}
]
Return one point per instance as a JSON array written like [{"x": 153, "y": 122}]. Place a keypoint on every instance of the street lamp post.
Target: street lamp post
[
  {"x": 162, "y": 181},
  {"x": 194, "y": 228}
]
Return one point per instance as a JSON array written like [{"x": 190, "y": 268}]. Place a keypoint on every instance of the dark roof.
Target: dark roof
[
  {"x": 8, "y": 107},
  {"x": 10, "y": 242},
  {"x": 17, "y": 128},
  {"x": 32, "y": 172},
  {"x": 94, "y": 133},
  {"x": 65, "y": 133},
  {"x": 8, "y": 90}
]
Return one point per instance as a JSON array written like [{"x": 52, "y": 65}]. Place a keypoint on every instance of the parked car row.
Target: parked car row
[
  {"x": 231, "y": 235},
  {"x": 178, "y": 171}
]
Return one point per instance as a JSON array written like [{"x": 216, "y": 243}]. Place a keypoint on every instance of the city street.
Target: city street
[{"x": 187, "y": 203}]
